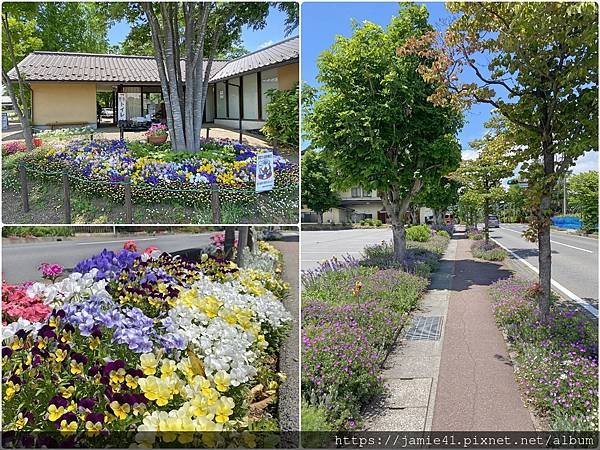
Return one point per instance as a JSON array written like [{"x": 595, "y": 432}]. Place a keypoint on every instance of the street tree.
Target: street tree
[
  {"x": 374, "y": 122},
  {"x": 196, "y": 32},
  {"x": 438, "y": 195},
  {"x": 317, "y": 181},
  {"x": 541, "y": 76},
  {"x": 481, "y": 177},
  {"x": 583, "y": 197}
]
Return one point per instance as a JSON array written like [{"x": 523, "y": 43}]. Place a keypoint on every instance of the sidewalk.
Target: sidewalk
[
  {"x": 476, "y": 388},
  {"x": 289, "y": 394}
]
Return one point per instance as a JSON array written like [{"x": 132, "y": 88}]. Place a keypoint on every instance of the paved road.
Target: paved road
[
  {"x": 20, "y": 261},
  {"x": 320, "y": 245},
  {"x": 574, "y": 258}
]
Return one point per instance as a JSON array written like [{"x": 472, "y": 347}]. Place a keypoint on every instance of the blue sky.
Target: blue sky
[
  {"x": 252, "y": 39},
  {"x": 322, "y": 21}
]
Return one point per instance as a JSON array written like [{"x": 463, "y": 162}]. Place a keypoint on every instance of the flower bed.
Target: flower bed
[
  {"x": 488, "y": 251},
  {"x": 147, "y": 349},
  {"x": 351, "y": 317},
  {"x": 474, "y": 233},
  {"x": 159, "y": 175},
  {"x": 556, "y": 363}
]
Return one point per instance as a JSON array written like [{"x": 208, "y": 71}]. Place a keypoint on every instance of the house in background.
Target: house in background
[
  {"x": 357, "y": 204},
  {"x": 65, "y": 86}
]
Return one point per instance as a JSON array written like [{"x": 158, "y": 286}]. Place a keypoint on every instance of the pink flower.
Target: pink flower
[
  {"x": 130, "y": 246},
  {"x": 150, "y": 249},
  {"x": 51, "y": 271}
]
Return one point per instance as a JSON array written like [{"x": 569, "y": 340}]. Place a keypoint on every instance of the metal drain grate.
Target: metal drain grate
[{"x": 425, "y": 328}]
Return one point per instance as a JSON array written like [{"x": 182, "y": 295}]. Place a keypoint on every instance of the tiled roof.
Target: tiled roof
[{"x": 59, "y": 66}]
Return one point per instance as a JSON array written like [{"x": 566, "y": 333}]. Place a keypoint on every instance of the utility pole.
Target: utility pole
[{"x": 565, "y": 194}]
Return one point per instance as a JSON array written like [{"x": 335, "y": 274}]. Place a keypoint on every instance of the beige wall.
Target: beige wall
[
  {"x": 287, "y": 76},
  {"x": 64, "y": 103}
]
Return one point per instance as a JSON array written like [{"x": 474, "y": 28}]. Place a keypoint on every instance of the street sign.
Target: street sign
[
  {"x": 4, "y": 121},
  {"x": 122, "y": 106},
  {"x": 265, "y": 174}
]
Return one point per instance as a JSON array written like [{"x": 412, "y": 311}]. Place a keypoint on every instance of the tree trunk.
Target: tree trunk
[
  {"x": 545, "y": 265},
  {"x": 229, "y": 241},
  {"x": 399, "y": 238},
  {"x": 319, "y": 218},
  {"x": 486, "y": 220},
  {"x": 22, "y": 110}
]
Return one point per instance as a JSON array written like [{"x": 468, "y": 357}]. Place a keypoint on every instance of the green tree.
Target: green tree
[
  {"x": 373, "y": 119},
  {"x": 481, "y": 177},
  {"x": 438, "y": 195},
  {"x": 515, "y": 203},
  {"x": 542, "y": 77},
  {"x": 317, "y": 180},
  {"x": 583, "y": 197},
  {"x": 283, "y": 122}
]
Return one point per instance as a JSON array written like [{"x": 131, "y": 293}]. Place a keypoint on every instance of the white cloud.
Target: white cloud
[
  {"x": 469, "y": 154},
  {"x": 266, "y": 44},
  {"x": 589, "y": 161}
]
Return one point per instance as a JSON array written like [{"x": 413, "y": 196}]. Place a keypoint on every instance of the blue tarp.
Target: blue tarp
[{"x": 568, "y": 222}]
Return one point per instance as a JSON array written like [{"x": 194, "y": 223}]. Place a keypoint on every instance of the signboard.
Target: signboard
[
  {"x": 523, "y": 184},
  {"x": 122, "y": 106},
  {"x": 265, "y": 175},
  {"x": 4, "y": 121}
]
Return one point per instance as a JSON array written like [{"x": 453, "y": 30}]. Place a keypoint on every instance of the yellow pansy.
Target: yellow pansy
[
  {"x": 224, "y": 409},
  {"x": 55, "y": 413},
  {"x": 67, "y": 392},
  {"x": 149, "y": 363},
  {"x": 68, "y": 427},
  {"x": 121, "y": 410},
  {"x": 11, "y": 389},
  {"x": 21, "y": 421},
  {"x": 117, "y": 376},
  {"x": 76, "y": 367},
  {"x": 59, "y": 355},
  {"x": 167, "y": 368},
  {"x": 155, "y": 389},
  {"x": 131, "y": 381},
  {"x": 93, "y": 429},
  {"x": 222, "y": 381}
]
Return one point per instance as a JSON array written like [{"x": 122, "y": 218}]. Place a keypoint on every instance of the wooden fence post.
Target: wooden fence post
[
  {"x": 242, "y": 242},
  {"x": 66, "y": 196},
  {"x": 24, "y": 189},
  {"x": 128, "y": 203},
  {"x": 215, "y": 203}
]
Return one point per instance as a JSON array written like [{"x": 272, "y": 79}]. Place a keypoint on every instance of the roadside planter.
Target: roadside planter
[
  {"x": 157, "y": 134},
  {"x": 143, "y": 348},
  {"x": 100, "y": 168}
]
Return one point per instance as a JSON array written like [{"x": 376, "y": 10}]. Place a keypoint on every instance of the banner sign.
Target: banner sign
[
  {"x": 265, "y": 175},
  {"x": 122, "y": 106}
]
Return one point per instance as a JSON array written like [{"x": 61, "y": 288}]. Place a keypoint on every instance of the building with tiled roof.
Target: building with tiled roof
[{"x": 64, "y": 86}]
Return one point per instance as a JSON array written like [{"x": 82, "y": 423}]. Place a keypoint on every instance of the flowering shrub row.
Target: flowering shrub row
[
  {"x": 143, "y": 348},
  {"x": 351, "y": 316},
  {"x": 556, "y": 362},
  {"x": 488, "y": 251}
]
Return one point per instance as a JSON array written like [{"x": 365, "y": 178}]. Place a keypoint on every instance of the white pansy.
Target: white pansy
[
  {"x": 8, "y": 331},
  {"x": 75, "y": 286}
]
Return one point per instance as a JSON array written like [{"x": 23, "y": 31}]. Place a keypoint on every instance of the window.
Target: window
[
  {"x": 234, "y": 98},
  {"x": 250, "y": 97},
  {"x": 366, "y": 193},
  {"x": 268, "y": 80},
  {"x": 221, "y": 101},
  {"x": 152, "y": 101},
  {"x": 355, "y": 192}
]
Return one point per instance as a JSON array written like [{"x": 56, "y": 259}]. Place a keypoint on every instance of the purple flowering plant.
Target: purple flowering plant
[{"x": 556, "y": 361}]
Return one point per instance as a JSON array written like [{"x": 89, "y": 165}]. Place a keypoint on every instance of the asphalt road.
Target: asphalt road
[
  {"x": 320, "y": 245},
  {"x": 20, "y": 261},
  {"x": 574, "y": 258}
]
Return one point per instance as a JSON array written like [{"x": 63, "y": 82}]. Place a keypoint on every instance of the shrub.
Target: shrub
[
  {"x": 418, "y": 233},
  {"x": 37, "y": 231},
  {"x": 474, "y": 233},
  {"x": 283, "y": 114},
  {"x": 443, "y": 233},
  {"x": 488, "y": 251},
  {"x": 556, "y": 362},
  {"x": 314, "y": 418},
  {"x": 371, "y": 223}
]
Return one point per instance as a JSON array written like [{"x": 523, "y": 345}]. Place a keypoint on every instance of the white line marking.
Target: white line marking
[
  {"x": 557, "y": 285},
  {"x": 554, "y": 242},
  {"x": 114, "y": 242}
]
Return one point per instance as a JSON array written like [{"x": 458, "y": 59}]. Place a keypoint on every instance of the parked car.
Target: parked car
[
  {"x": 106, "y": 112},
  {"x": 493, "y": 221}
]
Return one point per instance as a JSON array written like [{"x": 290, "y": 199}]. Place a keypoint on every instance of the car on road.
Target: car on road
[
  {"x": 493, "y": 221},
  {"x": 107, "y": 112}
]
